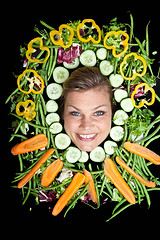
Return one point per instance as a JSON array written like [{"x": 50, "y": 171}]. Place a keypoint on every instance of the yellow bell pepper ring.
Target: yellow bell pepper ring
[
  {"x": 143, "y": 101},
  {"x": 36, "y": 82},
  {"x": 31, "y": 50},
  {"x": 82, "y": 26},
  {"x": 135, "y": 74},
  {"x": 62, "y": 37},
  {"x": 26, "y": 109},
  {"x": 116, "y": 43}
]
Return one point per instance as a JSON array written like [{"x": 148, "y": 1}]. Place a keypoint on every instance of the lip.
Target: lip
[{"x": 87, "y": 137}]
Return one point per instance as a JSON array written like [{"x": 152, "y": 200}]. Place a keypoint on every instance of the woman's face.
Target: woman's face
[{"x": 87, "y": 117}]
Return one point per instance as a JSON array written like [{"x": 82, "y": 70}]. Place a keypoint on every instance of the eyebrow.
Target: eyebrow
[{"x": 104, "y": 105}]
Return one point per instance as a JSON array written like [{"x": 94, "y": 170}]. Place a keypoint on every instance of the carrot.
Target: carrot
[
  {"x": 76, "y": 183},
  {"x": 112, "y": 173},
  {"x": 51, "y": 172},
  {"x": 91, "y": 188},
  {"x": 35, "y": 168},
  {"x": 37, "y": 142},
  {"x": 138, "y": 177},
  {"x": 143, "y": 152}
]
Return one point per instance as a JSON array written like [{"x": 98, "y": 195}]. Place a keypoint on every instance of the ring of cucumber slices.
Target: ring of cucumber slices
[{"x": 55, "y": 71}]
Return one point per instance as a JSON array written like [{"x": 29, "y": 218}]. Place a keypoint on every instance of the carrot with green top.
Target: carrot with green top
[
  {"x": 134, "y": 174},
  {"x": 51, "y": 172},
  {"x": 91, "y": 188},
  {"x": 31, "y": 173},
  {"x": 76, "y": 183},
  {"x": 113, "y": 174},
  {"x": 37, "y": 142},
  {"x": 142, "y": 152}
]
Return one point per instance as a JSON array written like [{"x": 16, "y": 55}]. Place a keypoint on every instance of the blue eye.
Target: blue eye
[
  {"x": 75, "y": 113},
  {"x": 99, "y": 113}
]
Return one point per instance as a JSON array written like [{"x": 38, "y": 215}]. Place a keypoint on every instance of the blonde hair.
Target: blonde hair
[{"x": 83, "y": 79}]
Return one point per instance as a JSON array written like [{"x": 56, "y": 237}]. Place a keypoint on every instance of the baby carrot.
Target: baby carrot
[
  {"x": 35, "y": 168},
  {"x": 112, "y": 173},
  {"x": 91, "y": 188},
  {"x": 76, "y": 183},
  {"x": 37, "y": 142},
  {"x": 51, "y": 172},
  {"x": 143, "y": 152},
  {"x": 138, "y": 177}
]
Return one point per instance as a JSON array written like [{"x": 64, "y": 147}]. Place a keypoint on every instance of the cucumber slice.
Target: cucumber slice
[
  {"x": 109, "y": 147},
  {"x": 106, "y": 68},
  {"x": 52, "y": 117},
  {"x": 101, "y": 53},
  {"x": 119, "y": 117},
  {"x": 60, "y": 74},
  {"x": 117, "y": 133},
  {"x": 55, "y": 128},
  {"x": 62, "y": 141},
  {"x": 84, "y": 157},
  {"x": 51, "y": 106},
  {"x": 73, "y": 154},
  {"x": 88, "y": 58},
  {"x": 119, "y": 94},
  {"x": 54, "y": 91},
  {"x": 72, "y": 65},
  {"x": 97, "y": 155},
  {"x": 127, "y": 105},
  {"x": 116, "y": 80}
]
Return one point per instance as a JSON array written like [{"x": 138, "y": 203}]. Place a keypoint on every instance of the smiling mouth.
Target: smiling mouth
[{"x": 87, "y": 137}]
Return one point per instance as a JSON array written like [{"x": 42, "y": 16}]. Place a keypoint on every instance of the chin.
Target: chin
[{"x": 86, "y": 148}]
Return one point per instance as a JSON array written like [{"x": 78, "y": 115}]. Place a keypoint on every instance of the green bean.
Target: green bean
[
  {"x": 54, "y": 63},
  {"x": 29, "y": 123},
  {"x": 131, "y": 28},
  {"x": 28, "y": 193},
  {"x": 20, "y": 162},
  {"x": 17, "y": 128}
]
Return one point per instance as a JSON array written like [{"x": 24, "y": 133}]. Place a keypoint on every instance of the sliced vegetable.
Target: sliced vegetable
[
  {"x": 62, "y": 141},
  {"x": 76, "y": 183},
  {"x": 57, "y": 36},
  {"x": 72, "y": 65},
  {"x": 83, "y": 26},
  {"x": 26, "y": 109},
  {"x": 134, "y": 174},
  {"x": 117, "y": 133},
  {"x": 101, "y": 53},
  {"x": 60, "y": 74},
  {"x": 51, "y": 172},
  {"x": 55, "y": 128},
  {"x": 106, "y": 68},
  {"x": 109, "y": 147},
  {"x": 119, "y": 94},
  {"x": 120, "y": 117},
  {"x": 88, "y": 58},
  {"x": 84, "y": 157},
  {"x": 116, "y": 80},
  {"x": 91, "y": 188},
  {"x": 73, "y": 154},
  {"x": 51, "y": 106},
  {"x": 54, "y": 91},
  {"x": 37, "y": 142},
  {"x": 35, "y": 168},
  {"x": 113, "y": 174},
  {"x": 143, "y": 101},
  {"x": 97, "y": 155},
  {"x": 143, "y": 152},
  {"x": 52, "y": 117},
  {"x": 127, "y": 105}
]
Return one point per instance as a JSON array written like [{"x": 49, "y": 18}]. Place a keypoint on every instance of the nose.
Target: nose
[{"x": 86, "y": 123}]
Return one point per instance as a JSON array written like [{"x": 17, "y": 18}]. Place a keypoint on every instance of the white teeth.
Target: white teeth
[{"x": 87, "y": 136}]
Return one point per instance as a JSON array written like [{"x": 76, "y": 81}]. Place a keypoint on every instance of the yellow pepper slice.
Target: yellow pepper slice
[
  {"x": 26, "y": 109},
  {"x": 58, "y": 39},
  {"x": 82, "y": 25},
  {"x": 35, "y": 80},
  {"x": 143, "y": 101},
  {"x": 113, "y": 45},
  {"x": 135, "y": 74},
  {"x": 32, "y": 50}
]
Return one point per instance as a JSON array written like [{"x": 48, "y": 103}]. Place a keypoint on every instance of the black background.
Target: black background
[{"x": 17, "y": 25}]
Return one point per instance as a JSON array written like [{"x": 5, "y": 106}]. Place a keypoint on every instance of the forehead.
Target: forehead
[{"x": 88, "y": 98}]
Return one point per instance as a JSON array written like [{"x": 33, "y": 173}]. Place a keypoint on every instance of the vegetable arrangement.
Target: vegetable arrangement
[{"x": 118, "y": 169}]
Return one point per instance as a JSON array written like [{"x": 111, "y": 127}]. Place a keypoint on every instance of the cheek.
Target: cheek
[{"x": 69, "y": 124}]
